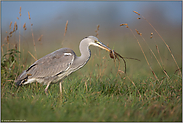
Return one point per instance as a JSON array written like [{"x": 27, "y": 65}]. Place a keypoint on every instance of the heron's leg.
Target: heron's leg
[
  {"x": 60, "y": 84},
  {"x": 46, "y": 89}
]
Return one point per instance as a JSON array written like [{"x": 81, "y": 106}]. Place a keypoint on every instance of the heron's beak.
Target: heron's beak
[{"x": 101, "y": 45}]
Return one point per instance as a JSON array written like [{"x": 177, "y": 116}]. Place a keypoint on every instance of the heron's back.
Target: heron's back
[{"x": 48, "y": 68}]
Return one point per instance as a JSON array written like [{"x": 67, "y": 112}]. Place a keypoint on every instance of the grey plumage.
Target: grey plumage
[
  {"x": 57, "y": 65},
  {"x": 49, "y": 66}
]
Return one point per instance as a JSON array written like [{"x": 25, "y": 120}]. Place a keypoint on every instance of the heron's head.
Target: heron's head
[{"x": 92, "y": 40}]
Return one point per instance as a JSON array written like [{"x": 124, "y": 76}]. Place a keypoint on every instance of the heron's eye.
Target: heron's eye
[{"x": 97, "y": 42}]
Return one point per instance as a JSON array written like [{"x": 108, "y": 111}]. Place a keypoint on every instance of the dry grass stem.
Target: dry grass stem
[
  {"x": 121, "y": 71},
  {"x": 136, "y": 88},
  {"x": 161, "y": 39},
  {"x": 144, "y": 54},
  {"x": 86, "y": 86},
  {"x": 97, "y": 31},
  {"x": 155, "y": 57},
  {"x": 97, "y": 34},
  {"x": 24, "y": 26},
  {"x": 34, "y": 43},
  {"x": 39, "y": 39},
  {"x": 19, "y": 30},
  {"x": 159, "y": 56},
  {"x": 177, "y": 70},
  {"x": 66, "y": 26},
  {"x": 32, "y": 56}
]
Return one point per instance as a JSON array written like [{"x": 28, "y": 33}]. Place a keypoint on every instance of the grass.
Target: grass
[
  {"x": 108, "y": 98},
  {"x": 98, "y": 92}
]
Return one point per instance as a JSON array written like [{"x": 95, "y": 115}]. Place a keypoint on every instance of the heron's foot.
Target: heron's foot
[
  {"x": 46, "y": 91},
  {"x": 60, "y": 84}
]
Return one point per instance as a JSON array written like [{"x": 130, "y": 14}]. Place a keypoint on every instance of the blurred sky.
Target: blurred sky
[
  {"x": 42, "y": 10},
  {"x": 86, "y": 11},
  {"x": 49, "y": 18}
]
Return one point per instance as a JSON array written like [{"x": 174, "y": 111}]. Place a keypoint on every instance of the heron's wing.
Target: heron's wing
[{"x": 50, "y": 65}]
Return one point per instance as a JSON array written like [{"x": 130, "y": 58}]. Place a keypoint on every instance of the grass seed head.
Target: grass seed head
[
  {"x": 15, "y": 26},
  {"x": 29, "y": 15},
  {"x": 20, "y": 11},
  {"x": 124, "y": 24},
  {"x": 136, "y": 12},
  {"x": 121, "y": 24},
  {"x": 138, "y": 32},
  {"x": 7, "y": 39},
  {"x": 24, "y": 26},
  {"x": 11, "y": 32},
  {"x": 15, "y": 46},
  {"x": 66, "y": 28},
  {"x": 10, "y": 25},
  {"x": 151, "y": 35}
]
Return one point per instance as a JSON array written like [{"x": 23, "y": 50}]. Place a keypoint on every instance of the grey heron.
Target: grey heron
[{"x": 57, "y": 65}]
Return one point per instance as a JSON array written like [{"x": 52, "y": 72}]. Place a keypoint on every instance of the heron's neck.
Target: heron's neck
[
  {"x": 85, "y": 54},
  {"x": 85, "y": 51}
]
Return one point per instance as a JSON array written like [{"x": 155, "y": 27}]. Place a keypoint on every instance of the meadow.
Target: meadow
[{"x": 100, "y": 91}]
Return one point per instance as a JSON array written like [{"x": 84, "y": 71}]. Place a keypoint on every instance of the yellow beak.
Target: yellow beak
[{"x": 103, "y": 46}]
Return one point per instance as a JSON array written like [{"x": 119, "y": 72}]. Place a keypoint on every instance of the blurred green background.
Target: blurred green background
[{"x": 49, "y": 19}]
